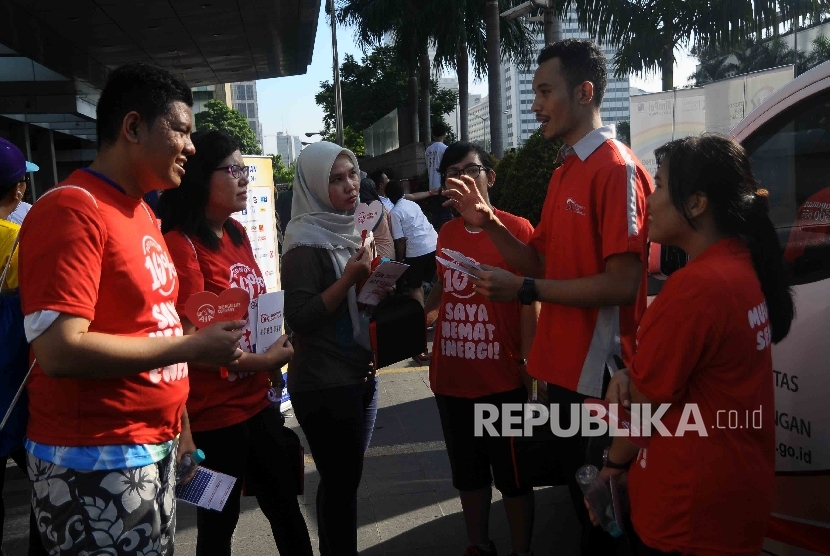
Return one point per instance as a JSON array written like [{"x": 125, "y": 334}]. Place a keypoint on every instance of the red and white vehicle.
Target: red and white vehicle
[{"x": 788, "y": 140}]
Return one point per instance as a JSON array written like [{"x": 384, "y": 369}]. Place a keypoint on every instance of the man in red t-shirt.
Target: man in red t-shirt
[
  {"x": 586, "y": 260},
  {"x": 98, "y": 291}
]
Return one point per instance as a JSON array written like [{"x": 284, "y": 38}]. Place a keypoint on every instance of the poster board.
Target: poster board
[{"x": 260, "y": 222}]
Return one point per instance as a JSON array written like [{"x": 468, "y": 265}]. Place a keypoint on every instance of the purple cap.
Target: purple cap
[{"x": 13, "y": 165}]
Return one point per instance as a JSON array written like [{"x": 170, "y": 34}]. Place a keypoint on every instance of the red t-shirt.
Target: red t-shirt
[
  {"x": 595, "y": 208},
  {"x": 89, "y": 250},
  {"x": 705, "y": 340},
  {"x": 217, "y": 402},
  {"x": 478, "y": 342}
]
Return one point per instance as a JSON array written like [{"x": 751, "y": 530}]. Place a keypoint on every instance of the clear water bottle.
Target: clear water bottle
[
  {"x": 189, "y": 463},
  {"x": 599, "y": 497}
]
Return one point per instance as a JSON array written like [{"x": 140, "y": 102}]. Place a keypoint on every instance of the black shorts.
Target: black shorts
[
  {"x": 472, "y": 457},
  {"x": 421, "y": 269}
]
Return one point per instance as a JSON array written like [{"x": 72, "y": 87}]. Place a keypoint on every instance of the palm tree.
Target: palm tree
[
  {"x": 820, "y": 52},
  {"x": 648, "y": 31},
  {"x": 408, "y": 24},
  {"x": 463, "y": 36}
]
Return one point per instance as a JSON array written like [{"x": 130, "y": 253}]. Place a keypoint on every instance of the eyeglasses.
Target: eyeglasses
[
  {"x": 236, "y": 170},
  {"x": 472, "y": 171}
]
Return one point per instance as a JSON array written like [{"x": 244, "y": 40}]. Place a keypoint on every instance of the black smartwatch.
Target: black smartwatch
[
  {"x": 610, "y": 464},
  {"x": 527, "y": 294}
]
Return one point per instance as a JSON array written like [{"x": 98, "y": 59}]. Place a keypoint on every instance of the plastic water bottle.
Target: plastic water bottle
[
  {"x": 599, "y": 497},
  {"x": 189, "y": 463}
]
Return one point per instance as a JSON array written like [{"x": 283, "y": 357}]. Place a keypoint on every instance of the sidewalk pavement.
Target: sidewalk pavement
[{"x": 407, "y": 505}]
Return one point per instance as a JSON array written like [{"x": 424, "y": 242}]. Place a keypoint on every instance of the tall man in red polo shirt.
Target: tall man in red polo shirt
[
  {"x": 98, "y": 291},
  {"x": 585, "y": 261}
]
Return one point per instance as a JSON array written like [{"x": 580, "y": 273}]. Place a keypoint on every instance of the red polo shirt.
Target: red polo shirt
[{"x": 595, "y": 208}]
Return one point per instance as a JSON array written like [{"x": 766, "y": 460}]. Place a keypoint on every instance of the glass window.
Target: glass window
[
  {"x": 240, "y": 92},
  {"x": 242, "y": 107},
  {"x": 249, "y": 90},
  {"x": 791, "y": 158}
]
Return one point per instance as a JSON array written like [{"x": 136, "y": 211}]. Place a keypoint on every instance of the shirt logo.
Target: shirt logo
[
  {"x": 162, "y": 270},
  {"x": 573, "y": 206}
]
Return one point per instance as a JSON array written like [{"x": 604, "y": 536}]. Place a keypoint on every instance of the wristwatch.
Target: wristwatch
[
  {"x": 527, "y": 293},
  {"x": 610, "y": 464}
]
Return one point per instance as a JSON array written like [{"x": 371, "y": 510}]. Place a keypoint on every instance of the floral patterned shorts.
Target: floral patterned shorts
[{"x": 121, "y": 512}]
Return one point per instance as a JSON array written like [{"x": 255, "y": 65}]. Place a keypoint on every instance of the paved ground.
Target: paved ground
[{"x": 407, "y": 505}]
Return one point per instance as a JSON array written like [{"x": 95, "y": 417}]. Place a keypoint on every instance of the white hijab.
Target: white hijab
[{"x": 315, "y": 222}]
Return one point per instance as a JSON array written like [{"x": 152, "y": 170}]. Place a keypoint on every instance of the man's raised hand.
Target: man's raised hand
[{"x": 465, "y": 198}]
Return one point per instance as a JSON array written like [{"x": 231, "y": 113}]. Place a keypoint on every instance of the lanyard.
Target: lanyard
[
  {"x": 111, "y": 183},
  {"x": 101, "y": 176}
]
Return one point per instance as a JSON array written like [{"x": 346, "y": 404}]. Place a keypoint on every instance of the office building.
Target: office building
[
  {"x": 287, "y": 146},
  {"x": 517, "y": 91},
  {"x": 243, "y": 98},
  {"x": 478, "y": 122}
]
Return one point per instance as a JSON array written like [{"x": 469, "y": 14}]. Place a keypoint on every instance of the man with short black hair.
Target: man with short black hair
[
  {"x": 107, "y": 423},
  {"x": 586, "y": 259}
]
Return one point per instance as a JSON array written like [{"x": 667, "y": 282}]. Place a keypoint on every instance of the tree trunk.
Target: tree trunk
[
  {"x": 426, "y": 136},
  {"x": 553, "y": 28},
  {"x": 413, "y": 103},
  {"x": 463, "y": 70},
  {"x": 491, "y": 17},
  {"x": 667, "y": 65}
]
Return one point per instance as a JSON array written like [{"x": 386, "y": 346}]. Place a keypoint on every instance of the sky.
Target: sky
[{"x": 286, "y": 104}]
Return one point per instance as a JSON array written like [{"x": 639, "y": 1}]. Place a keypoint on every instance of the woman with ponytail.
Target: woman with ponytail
[{"x": 704, "y": 348}]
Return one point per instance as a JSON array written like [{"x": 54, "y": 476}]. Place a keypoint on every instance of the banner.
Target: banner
[
  {"x": 652, "y": 125},
  {"x": 260, "y": 219},
  {"x": 260, "y": 222}
]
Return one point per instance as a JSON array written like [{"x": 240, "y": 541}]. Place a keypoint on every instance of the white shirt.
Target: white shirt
[
  {"x": 433, "y": 154},
  {"x": 408, "y": 221},
  {"x": 18, "y": 214},
  {"x": 386, "y": 203}
]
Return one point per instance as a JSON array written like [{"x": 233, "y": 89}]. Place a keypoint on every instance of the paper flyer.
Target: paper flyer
[
  {"x": 208, "y": 489},
  {"x": 269, "y": 319},
  {"x": 385, "y": 275}
]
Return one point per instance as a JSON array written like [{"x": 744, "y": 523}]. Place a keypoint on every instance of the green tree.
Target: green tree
[
  {"x": 281, "y": 173},
  {"x": 648, "y": 31},
  {"x": 217, "y": 115},
  {"x": 522, "y": 177},
  {"x": 624, "y": 132},
  {"x": 371, "y": 89},
  {"x": 461, "y": 40}
]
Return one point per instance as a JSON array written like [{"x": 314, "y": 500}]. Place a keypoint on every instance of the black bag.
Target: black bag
[{"x": 398, "y": 330}]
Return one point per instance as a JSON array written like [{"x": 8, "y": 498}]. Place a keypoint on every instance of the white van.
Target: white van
[{"x": 788, "y": 140}]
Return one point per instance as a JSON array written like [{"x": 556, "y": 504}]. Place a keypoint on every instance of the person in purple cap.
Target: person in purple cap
[{"x": 13, "y": 181}]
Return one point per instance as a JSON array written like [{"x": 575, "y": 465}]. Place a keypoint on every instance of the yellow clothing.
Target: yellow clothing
[{"x": 8, "y": 233}]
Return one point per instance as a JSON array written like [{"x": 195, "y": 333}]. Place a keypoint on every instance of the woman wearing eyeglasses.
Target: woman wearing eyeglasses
[{"x": 231, "y": 418}]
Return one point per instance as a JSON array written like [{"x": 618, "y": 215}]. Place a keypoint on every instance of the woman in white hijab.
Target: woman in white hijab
[{"x": 330, "y": 379}]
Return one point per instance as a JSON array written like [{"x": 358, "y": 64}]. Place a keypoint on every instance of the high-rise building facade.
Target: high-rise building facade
[
  {"x": 478, "y": 122},
  {"x": 517, "y": 91},
  {"x": 244, "y": 99},
  {"x": 288, "y": 146}
]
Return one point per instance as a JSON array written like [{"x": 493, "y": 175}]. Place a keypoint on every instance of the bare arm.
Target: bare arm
[
  {"x": 68, "y": 350},
  {"x": 466, "y": 199},
  {"x": 400, "y": 249},
  {"x": 433, "y": 302},
  {"x": 618, "y": 285},
  {"x": 623, "y": 451},
  {"x": 277, "y": 355}
]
